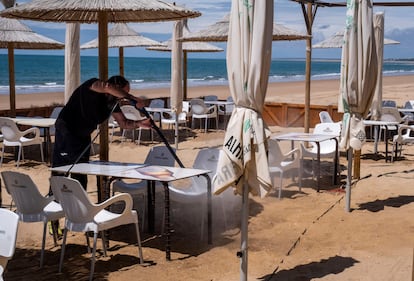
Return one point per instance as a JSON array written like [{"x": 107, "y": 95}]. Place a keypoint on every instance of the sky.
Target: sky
[{"x": 398, "y": 26}]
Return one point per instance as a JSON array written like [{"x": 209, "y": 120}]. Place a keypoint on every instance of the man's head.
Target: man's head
[{"x": 119, "y": 82}]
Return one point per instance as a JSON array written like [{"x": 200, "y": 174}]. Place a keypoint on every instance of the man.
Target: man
[{"x": 90, "y": 104}]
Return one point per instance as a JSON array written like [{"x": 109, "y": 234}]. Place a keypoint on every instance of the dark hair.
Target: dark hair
[{"x": 118, "y": 80}]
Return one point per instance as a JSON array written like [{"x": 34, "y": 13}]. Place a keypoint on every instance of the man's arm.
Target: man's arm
[{"x": 103, "y": 87}]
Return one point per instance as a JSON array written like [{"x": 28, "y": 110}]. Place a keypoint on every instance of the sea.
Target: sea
[{"x": 45, "y": 73}]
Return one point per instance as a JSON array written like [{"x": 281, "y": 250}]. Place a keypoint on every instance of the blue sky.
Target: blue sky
[{"x": 398, "y": 26}]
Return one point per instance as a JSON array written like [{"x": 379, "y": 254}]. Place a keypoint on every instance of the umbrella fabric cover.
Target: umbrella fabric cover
[
  {"x": 244, "y": 159},
  {"x": 359, "y": 69}
]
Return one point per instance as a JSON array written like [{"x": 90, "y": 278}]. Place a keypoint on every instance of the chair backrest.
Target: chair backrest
[
  {"x": 408, "y": 105},
  {"x": 9, "y": 129},
  {"x": 74, "y": 199},
  {"x": 198, "y": 106},
  {"x": 211, "y": 98},
  {"x": 325, "y": 117},
  {"x": 9, "y": 222},
  {"x": 186, "y": 106},
  {"x": 389, "y": 103},
  {"x": 157, "y": 103},
  {"x": 131, "y": 113},
  {"x": 56, "y": 111},
  {"x": 206, "y": 159},
  {"x": 25, "y": 194},
  {"x": 390, "y": 114},
  {"x": 160, "y": 155},
  {"x": 275, "y": 156},
  {"x": 328, "y": 129}
]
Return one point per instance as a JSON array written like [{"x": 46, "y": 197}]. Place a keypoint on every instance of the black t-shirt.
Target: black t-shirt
[{"x": 86, "y": 109}]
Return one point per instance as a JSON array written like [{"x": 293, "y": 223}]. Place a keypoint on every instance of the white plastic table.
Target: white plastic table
[
  {"x": 316, "y": 138},
  {"x": 376, "y": 125},
  {"x": 41, "y": 122},
  {"x": 116, "y": 170}
]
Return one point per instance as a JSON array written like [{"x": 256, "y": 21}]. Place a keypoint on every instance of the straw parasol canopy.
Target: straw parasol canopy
[
  {"x": 120, "y": 36},
  {"x": 218, "y": 32},
  {"x": 101, "y": 12},
  {"x": 16, "y": 35},
  {"x": 187, "y": 47},
  {"x": 337, "y": 41}
]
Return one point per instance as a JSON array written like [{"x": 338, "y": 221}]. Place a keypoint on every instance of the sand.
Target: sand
[
  {"x": 303, "y": 236},
  {"x": 323, "y": 92}
]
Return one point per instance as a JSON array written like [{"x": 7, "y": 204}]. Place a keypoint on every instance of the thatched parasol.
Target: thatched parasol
[
  {"x": 218, "y": 32},
  {"x": 120, "y": 36},
  {"x": 187, "y": 47},
  {"x": 101, "y": 12},
  {"x": 16, "y": 35},
  {"x": 337, "y": 41}
]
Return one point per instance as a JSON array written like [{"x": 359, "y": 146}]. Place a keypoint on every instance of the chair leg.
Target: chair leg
[
  {"x": 95, "y": 238},
  {"x": 280, "y": 185},
  {"x": 18, "y": 156},
  {"x": 43, "y": 244},
  {"x": 2, "y": 155},
  {"x": 62, "y": 252},
  {"x": 141, "y": 257},
  {"x": 41, "y": 152}
]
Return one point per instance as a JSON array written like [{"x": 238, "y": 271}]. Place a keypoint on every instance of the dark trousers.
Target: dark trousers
[{"x": 69, "y": 149}]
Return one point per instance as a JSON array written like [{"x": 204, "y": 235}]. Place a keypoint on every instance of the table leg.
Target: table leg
[
  {"x": 151, "y": 205},
  {"x": 376, "y": 137},
  {"x": 336, "y": 161},
  {"x": 48, "y": 144},
  {"x": 319, "y": 165},
  {"x": 167, "y": 225},
  {"x": 386, "y": 143},
  {"x": 209, "y": 210}
]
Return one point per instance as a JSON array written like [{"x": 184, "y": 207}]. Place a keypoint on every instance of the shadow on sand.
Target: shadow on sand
[{"x": 310, "y": 271}]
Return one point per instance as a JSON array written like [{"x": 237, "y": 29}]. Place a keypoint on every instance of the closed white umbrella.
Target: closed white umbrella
[
  {"x": 217, "y": 32},
  {"x": 121, "y": 36},
  {"x": 359, "y": 68},
  {"x": 187, "y": 47},
  {"x": 16, "y": 35},
  {"x": 337, "y": 40},
  {"x": 101, "y": 12},
  {"x": 243, "y": 161}
]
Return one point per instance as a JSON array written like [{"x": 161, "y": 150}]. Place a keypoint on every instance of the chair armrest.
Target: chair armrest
[
  {"x": 34, "y": 130},
  {"x": 125, "y": 197},
  {"x": 294, "y": 152},
  {"x": 211, "y": 109}
]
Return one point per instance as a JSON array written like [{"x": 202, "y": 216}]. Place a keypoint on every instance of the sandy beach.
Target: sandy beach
[
  {"x": 306, "y": 235},
  {"x": 323, "y": 92}
]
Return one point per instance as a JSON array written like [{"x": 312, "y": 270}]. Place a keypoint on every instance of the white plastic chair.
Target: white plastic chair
[
  {"x": 211, "y": 98},
  {"x": 325, "y": 117},
  {"x": 112, "y": 125},
  {"x": 158, "y": 155},
  {"x": 226, "y": 110},
  {"x": 157, "y": 103},
  {"x": 9, "y": 222},
  {"x": 31, "y": 205},
  {"x": 12, "y": 136},
  {"x": 401, "y": 138},
  {"x": 199, "y": 110},
  {"x": 280, "y": 162},
  {"x": 391, "y": 114},
  {"x": 55, "y": 113},
  {"x": 327, "y": 148},
  {"x": 131, "y": 113},
  {"x": 81, "y": 215},
  {"x": 196, "y": 192},
  {"x": 170, "y": 119}
]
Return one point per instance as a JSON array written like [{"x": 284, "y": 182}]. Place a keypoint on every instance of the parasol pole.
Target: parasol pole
[
  {"x": 12, "y": 81},
  {"x": 348, "y": 182},
  {"x": 242, "y": 254}
]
